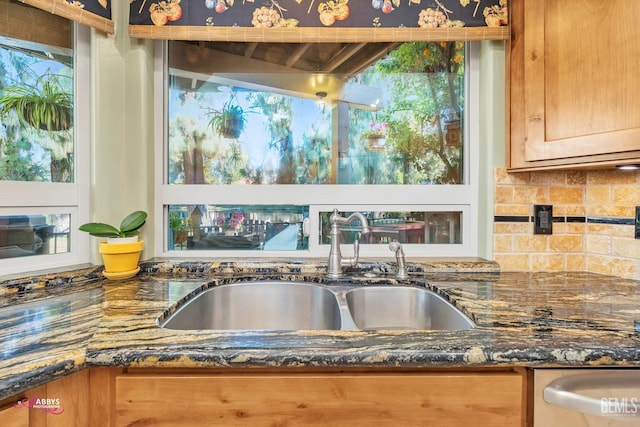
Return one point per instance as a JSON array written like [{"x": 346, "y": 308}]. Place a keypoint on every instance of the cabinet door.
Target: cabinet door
[
  {"x": 14, "y": 417},
  {"x": 575, "y": 92},
  {"x": 447, "y": 399},
  {"x": 69, "y": 404},
  {"x": 73, "y": 393}
]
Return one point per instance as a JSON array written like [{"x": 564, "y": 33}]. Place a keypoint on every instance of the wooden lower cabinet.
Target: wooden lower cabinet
[
  {"x": 115, "y": 397},
  {"x": 60, "y": 403},
  {"x": 14, "y": 417},
  {"x": 316, "y": 399}
]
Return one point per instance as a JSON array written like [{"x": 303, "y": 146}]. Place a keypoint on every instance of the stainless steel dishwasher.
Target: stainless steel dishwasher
[{"x": 586, "y": 397}]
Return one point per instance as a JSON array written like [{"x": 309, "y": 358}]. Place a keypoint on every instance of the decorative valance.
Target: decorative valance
[
  {"x": 93, "y": 13},
  {"x": 320, "y": 21},
  {"x": 33, "y": 25}
]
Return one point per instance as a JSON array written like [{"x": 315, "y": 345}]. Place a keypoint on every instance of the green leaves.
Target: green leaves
[
  {"x": 100, "y": 229},
  {"x": 128, "y": 227},
  {"x": 228, "y": 122},
  {"x": 46, "y": 106}
]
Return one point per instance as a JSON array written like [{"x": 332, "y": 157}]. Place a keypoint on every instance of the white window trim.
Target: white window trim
[
  {"x": 31, "y": 198},
  {"x": 463, "y": 198}
]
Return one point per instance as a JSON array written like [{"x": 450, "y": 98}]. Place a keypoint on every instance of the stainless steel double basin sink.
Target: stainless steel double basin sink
[{"x": 287, "y": 306}]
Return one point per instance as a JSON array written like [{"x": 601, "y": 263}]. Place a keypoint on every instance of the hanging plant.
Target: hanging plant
[
  {"x": 44, "y": 106},
  {"x": 228, "y": 122}
]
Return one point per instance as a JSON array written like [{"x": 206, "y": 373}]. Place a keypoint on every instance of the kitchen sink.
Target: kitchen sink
[
  {"x": 284, "y": 305},
  {"x": 394, "y": 307},
  {"x": 259, "y": 305}
]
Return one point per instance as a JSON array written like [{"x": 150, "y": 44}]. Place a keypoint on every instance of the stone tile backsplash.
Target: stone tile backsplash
[{"x": 593, "y": 227}]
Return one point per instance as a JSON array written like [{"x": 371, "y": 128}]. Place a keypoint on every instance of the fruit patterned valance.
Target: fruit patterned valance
[
  {"x": 307, "y": 20},
  {"x": 93, "y": 13}
]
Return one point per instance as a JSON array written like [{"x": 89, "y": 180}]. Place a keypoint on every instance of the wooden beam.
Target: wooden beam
[
  {"x": 251, "y": 47},
  {"x": 297, "y": 54},
  {"x": 337, "y": 60},
  {"x": 356, "y": 67}
]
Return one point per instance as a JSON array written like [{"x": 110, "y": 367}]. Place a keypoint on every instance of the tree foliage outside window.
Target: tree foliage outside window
[
  {"x": 32, "y": 152},
  {"x": 413, "y": 136},
  {"x": 422, "y": 117}
]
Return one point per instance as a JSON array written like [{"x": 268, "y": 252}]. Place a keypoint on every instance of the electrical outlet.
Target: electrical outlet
[{"x": 542, "y": 219}]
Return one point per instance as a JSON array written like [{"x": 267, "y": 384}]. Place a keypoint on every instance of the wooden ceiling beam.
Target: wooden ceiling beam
[
  {"x": 356, "y": 67},
  {"x": 295, "y": 56},
  {"x": 251, "y": 47},
  {"x": 343, "y": 56}
]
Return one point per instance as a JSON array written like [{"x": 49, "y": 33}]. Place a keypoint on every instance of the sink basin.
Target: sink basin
[
  {"x": 283, "y": 305},
  {"x": 259, "y": 305},
  {"x": 394, "y": 307}
]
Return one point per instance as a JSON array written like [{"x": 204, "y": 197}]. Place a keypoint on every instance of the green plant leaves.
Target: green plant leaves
[
  {"x": 99, "y": 229},
  {"x": 46, "y": 106},
  {"x": 131, "y": 224},
  {"x": 128, "y": 227}
]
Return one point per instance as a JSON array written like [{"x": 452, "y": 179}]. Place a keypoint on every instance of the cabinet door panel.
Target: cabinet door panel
[
  {"x": 581, "y": 54},
  {"x": 14, "y": 417},
  {"x": 592, "y": 85},
  {"x": 575, "y": 93},
  {"x": 73, "y": 392},
  {"x": 320, "y": 400}
]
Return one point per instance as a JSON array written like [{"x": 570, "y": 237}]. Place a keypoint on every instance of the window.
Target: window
[
  {"x": 262, "y": 136},
  {"x": 42, "y": 166}
]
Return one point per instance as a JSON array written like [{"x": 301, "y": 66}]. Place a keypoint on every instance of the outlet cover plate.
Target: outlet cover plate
[{"x": 542, "y": 219}]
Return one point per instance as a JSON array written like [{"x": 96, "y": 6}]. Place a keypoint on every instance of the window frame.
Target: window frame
[
  {"x": 22, "y": 198},
  {"x": 459, "y": 197}
]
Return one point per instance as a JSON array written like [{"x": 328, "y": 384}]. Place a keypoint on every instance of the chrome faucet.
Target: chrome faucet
[
  {"x": 396, "y": 247},
  {"x": 336, "y": 262}
]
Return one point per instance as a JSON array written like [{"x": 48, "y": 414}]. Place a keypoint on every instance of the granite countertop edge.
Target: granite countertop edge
[{"x": 106, "y": 343}]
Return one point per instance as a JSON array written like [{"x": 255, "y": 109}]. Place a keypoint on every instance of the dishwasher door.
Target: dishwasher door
[{"x": 586, "y": 397}]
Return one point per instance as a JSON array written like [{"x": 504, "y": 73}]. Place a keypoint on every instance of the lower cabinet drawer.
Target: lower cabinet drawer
[{"x": 419, "y": 399}]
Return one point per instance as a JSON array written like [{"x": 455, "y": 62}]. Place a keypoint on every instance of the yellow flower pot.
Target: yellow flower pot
[{"x": 121, "y": 259}]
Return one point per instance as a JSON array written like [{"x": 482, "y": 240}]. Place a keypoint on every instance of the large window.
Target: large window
[
  {"x": 42, "y": 116},
  {"x": 264, "y": 140}
]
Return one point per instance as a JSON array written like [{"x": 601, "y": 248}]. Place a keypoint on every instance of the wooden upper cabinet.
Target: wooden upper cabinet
[{"x": 574, "y": 90}]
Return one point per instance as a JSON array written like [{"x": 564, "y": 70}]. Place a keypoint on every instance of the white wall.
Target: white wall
[
  {"x": 492, "y": 134},
  {"x": 122, "y": 123}
]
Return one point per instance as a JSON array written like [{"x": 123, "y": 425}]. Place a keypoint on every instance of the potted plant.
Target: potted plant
[
  {"x": 228, "y": 122},
  {"x": 376, "y": 136},
  {"x": 45, "y": 105},
  {"x": 179, "y": 229},
  {"x": 121, "y": 251}
]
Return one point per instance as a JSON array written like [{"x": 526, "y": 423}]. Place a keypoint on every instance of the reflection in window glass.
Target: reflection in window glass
[
  {"x": 36, "y": 112},
  {"x": 405, "y": 227},
  {"x": 25, "y": 235},
  {"x": 245, "y": 227},
  {"x": 396, "y": 121}
]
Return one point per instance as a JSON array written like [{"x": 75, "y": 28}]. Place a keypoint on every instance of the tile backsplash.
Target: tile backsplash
[{"x": 593, "y": 221}]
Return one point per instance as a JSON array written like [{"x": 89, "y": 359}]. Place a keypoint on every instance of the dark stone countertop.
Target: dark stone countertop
[{"x": 63, "y": 322}]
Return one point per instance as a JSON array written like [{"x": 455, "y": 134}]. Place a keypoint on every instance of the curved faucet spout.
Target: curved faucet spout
[
  {"x": 336, "y": 262},
  {"x": 336, "y": 219}
]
